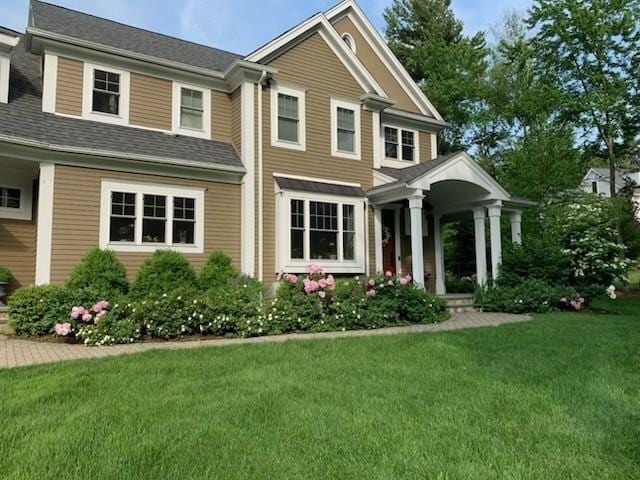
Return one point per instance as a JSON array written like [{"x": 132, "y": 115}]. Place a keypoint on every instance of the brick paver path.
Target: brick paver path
[{"x": 16, "y": 353}]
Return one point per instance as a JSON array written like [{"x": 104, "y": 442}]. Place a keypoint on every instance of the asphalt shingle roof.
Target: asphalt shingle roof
[
  {"x": 22, "y": 117},
  {"x": 82, "y": 26},
  {"x": 319, "y": 187},
  {"x": 412, "y": 172}
]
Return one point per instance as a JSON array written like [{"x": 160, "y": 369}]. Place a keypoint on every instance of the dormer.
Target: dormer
[{"x": 7, "y": 42}]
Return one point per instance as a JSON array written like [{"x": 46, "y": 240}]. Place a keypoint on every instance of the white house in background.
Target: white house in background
[{"x": 597, "y": 181}]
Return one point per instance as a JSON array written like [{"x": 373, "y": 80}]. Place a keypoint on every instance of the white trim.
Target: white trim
[
  {"x": 380, "y": 178},
  {"x": 407, "y": 223},
  {"x": 377, "y": 43},
  {"x": 350, "y": 105},
  {"x": 87, "y": 95},
  {"x": 350, "y": 41},
  {"x": 377, "y": 234},
  {"x": 18, "y": 180},
  {"x": 50, "y": 83},
  {"x": 7, "y": 42},
  {"x": 398, "y": 162},
  {"x": 283, "y": 214},
  {"x": 139, "y": 189},
  {"x": 300, "y": 94},
  {"x": 45, "y": 223},
  {"x": 319, "y": 180},
  {"x": 417, "y": 242},
  {"x": 248, "y": 207},
  {"x": 176, "y": 103},
  {"x": 441, "y": 286},
  {"x": 5, "y": 68},
  {"x": 434, "y": 146},
  {"x": 377, "y": 147}
]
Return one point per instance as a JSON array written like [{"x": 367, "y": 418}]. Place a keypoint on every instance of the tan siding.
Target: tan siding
[
  {"x": 76, "y": 218},
  {"x": 236, "y": 126},
  {"x": 221, "y": 116},
  {"x": 425, "y": 146},
  {"x": 378, "y": 70},
  {"x": 18, "y": 250},
  {"x": 312, "y": 65},
  {"x": 150, "y": 102},
  {"x": 69, "y": 87}
]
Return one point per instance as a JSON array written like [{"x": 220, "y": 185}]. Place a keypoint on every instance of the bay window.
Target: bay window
[{"x": 144, "y": 217}]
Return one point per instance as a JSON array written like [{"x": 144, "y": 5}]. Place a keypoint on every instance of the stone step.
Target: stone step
[
  {"x": 4, "y": 315},
  {"x": 459, "y": 303}
]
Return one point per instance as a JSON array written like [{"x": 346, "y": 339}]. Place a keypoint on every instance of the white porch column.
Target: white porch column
[
  {"x": 516, "y": 229},
  {"x": 441, "y": 287},
  {"x": 417, "y": 262},
  {"x": 479, "y": 216},
  {"x": 496, "y": 240},
  {"x": 377, "y": 234}
]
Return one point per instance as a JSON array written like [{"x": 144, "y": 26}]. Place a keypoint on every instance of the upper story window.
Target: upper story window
[
  {"x": 348, "y": 39},
  {"x": 106, "y": 92},
  {"x": 400, "y": 144},
  {"x": 144, "y": 217},
  {"x": 191, "y": 110},
  {"x": 10, "y": 198},
  {"x": 288, "y": 129},
  {"x": 345, "y": 129}
]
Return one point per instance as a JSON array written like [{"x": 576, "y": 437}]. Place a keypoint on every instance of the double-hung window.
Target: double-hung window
[
  {"x": 288, "y": 117},
  {"x": 144, "y": 217},
  {"x": 106, "y": 92},
  {"x": 400, "y": 144},
  {"x": 326, "y": 231},
  {"x": 191, "y": 110},
  {"x": 345, "y": 129}
]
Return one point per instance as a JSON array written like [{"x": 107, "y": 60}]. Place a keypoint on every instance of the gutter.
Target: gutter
[{"x": 120, "y": 155}]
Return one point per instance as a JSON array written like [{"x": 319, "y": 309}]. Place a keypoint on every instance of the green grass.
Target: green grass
[{"x": 555, "y": 398}]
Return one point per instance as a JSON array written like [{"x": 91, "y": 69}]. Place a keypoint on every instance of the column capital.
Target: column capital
[
  {"x": 479, "y": 213},
  {"x": 416, "y": 201},
  {"x": 515, "y": 216},
  {"x": 494, "y": 211}
]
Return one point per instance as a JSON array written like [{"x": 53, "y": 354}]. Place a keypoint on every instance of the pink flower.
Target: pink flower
[
  {"x": 388, "y": 273},
  {"x": 77, "y": 312},
  {"x": 62, "y": 329},
  {"x": 404, "y": 281},
  {"x": 323, "y": 283},
  {"x": 310, "y": 286},
  {"x": 313, "y": 269},
  {"x": 87, "y": 317},
  {"x": 292, "y": 278},
  {"x": 100, "y": 306},
  {"x": 409, "y": 277},
  {"x": 330, "y": 280}
]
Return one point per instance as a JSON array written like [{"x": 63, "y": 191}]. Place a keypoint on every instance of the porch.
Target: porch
[{"x": 410, "y": 206}]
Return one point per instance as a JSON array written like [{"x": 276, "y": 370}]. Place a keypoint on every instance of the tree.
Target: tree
[
  {"x": 449, "y": 66},
  {"x": 591, "y": 50}
]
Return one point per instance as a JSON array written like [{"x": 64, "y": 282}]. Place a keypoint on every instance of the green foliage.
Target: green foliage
[
  {"x": 5, "y": 275},
  {"x": 102, "y": 272},
  {"x": 164, "y": 271},
  {"x": 530, "y": 296},
  {"x": 217, "y": 272},
  {"x": 536, "y": 259},
  {"x": 35, "y": 310},
  {"x": 119, "y": 326},
  {"x": 170, "y": 315}
]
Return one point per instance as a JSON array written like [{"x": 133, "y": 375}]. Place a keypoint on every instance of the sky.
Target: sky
[{"x": 243, "y": 25}]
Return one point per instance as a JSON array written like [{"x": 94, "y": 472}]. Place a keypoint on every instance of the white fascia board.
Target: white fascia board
[
  {"x": 7, "y": 42},
  {"x": 378, "y": 44}
]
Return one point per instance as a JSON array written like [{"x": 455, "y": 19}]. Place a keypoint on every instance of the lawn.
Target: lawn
[{"x": 555, "y": 398}]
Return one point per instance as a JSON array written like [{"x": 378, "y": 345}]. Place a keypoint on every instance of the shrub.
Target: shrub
[
  {"x": 164, "y": 271},
  {"x": 217, "y": 272},
  {"x": 531, "y": 296},
  {"x": 36, "y": 310},
  {"x": 5, "y": 274},
  {"x": 539, "y": 259},
  {"x": 100, "y": 271},
  {"x": 171, "y": 315},
  {"x": 117, "y": 325}
]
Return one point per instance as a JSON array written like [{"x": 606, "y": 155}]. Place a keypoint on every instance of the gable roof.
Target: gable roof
[
  {"x": 379, "y": 45},
  {"x": 45, "y": 17},
  {"x": 22, "y": 121},
  {"x": 603, "y": 174}
]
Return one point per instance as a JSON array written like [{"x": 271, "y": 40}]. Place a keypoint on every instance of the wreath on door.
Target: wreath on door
[{"x": 386, "y": 231}]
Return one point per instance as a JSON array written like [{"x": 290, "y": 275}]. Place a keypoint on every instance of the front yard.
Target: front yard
[{"x": 558, "y": 397}]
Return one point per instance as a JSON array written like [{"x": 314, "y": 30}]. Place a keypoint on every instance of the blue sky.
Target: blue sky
[{"x": 242, "y": 25}]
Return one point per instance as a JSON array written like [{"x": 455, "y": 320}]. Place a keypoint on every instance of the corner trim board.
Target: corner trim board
[{"x": 45, "y": 223}]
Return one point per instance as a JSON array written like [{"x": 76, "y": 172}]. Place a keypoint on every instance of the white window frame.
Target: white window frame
[
  {"x": 349, "y": 40},
  {"x": 398, "y": 162},
  {"x": 87, "y": 95},
  {"x": 300, "y": 94},
  {"x": 288, "y": 265},
  {"x": 176, "y": 100},
  {"x": 351, "y": 105},
  {"x": 23, "y": 182},
  {"x": 140, "y": 189}
]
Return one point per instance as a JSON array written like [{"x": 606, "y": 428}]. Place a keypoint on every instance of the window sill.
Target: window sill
[
  {"x": 15, "y": 214},
  {"x": 148, "y": 248},
  {"x": 289, "y": 145},
  {"x": 350, "y": 156},
  {"x": 394, "y": 163},
  {"x": 330, "y": 266}
]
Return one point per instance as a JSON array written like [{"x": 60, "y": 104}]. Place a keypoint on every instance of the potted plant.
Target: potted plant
[{"x": 5, "y": 278}]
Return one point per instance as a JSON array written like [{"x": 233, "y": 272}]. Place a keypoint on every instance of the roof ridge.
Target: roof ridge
[{"x": 172, "y": 37}]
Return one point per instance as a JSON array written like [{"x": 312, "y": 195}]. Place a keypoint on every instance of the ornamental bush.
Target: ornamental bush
[
  {"x": 164, "y": 271},
  {"x": 170, "y": 315},
  {"x": 217, "y": 272},
  {"x": 35, "y": 311},
  {"x": 106, "y": 324},
  {"x": 530, "y": 296},
  {"x": 100, "y": 271},
  {"x": 536, "y": 259}
]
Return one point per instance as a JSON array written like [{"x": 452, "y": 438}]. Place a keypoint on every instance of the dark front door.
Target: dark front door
[{"x": 389, "y": 241}]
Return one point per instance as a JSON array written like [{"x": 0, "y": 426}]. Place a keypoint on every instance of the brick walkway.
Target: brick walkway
[{"x": 16, "y": 353}]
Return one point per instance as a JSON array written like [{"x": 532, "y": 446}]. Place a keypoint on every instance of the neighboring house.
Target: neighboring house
[
  {"x": 597, "y": 180},
  {"x": 317, "y": 147}
]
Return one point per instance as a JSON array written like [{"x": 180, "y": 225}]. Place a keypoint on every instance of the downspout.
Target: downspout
[{"x": 263, "y": 77}]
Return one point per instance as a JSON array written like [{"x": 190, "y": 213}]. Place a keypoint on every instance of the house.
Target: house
[
  {"x": 316, "y": 147},
  {"x": 597, "y": 180}
]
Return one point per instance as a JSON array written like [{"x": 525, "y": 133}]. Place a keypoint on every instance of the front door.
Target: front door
[{"x": 389, "y": 241}]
